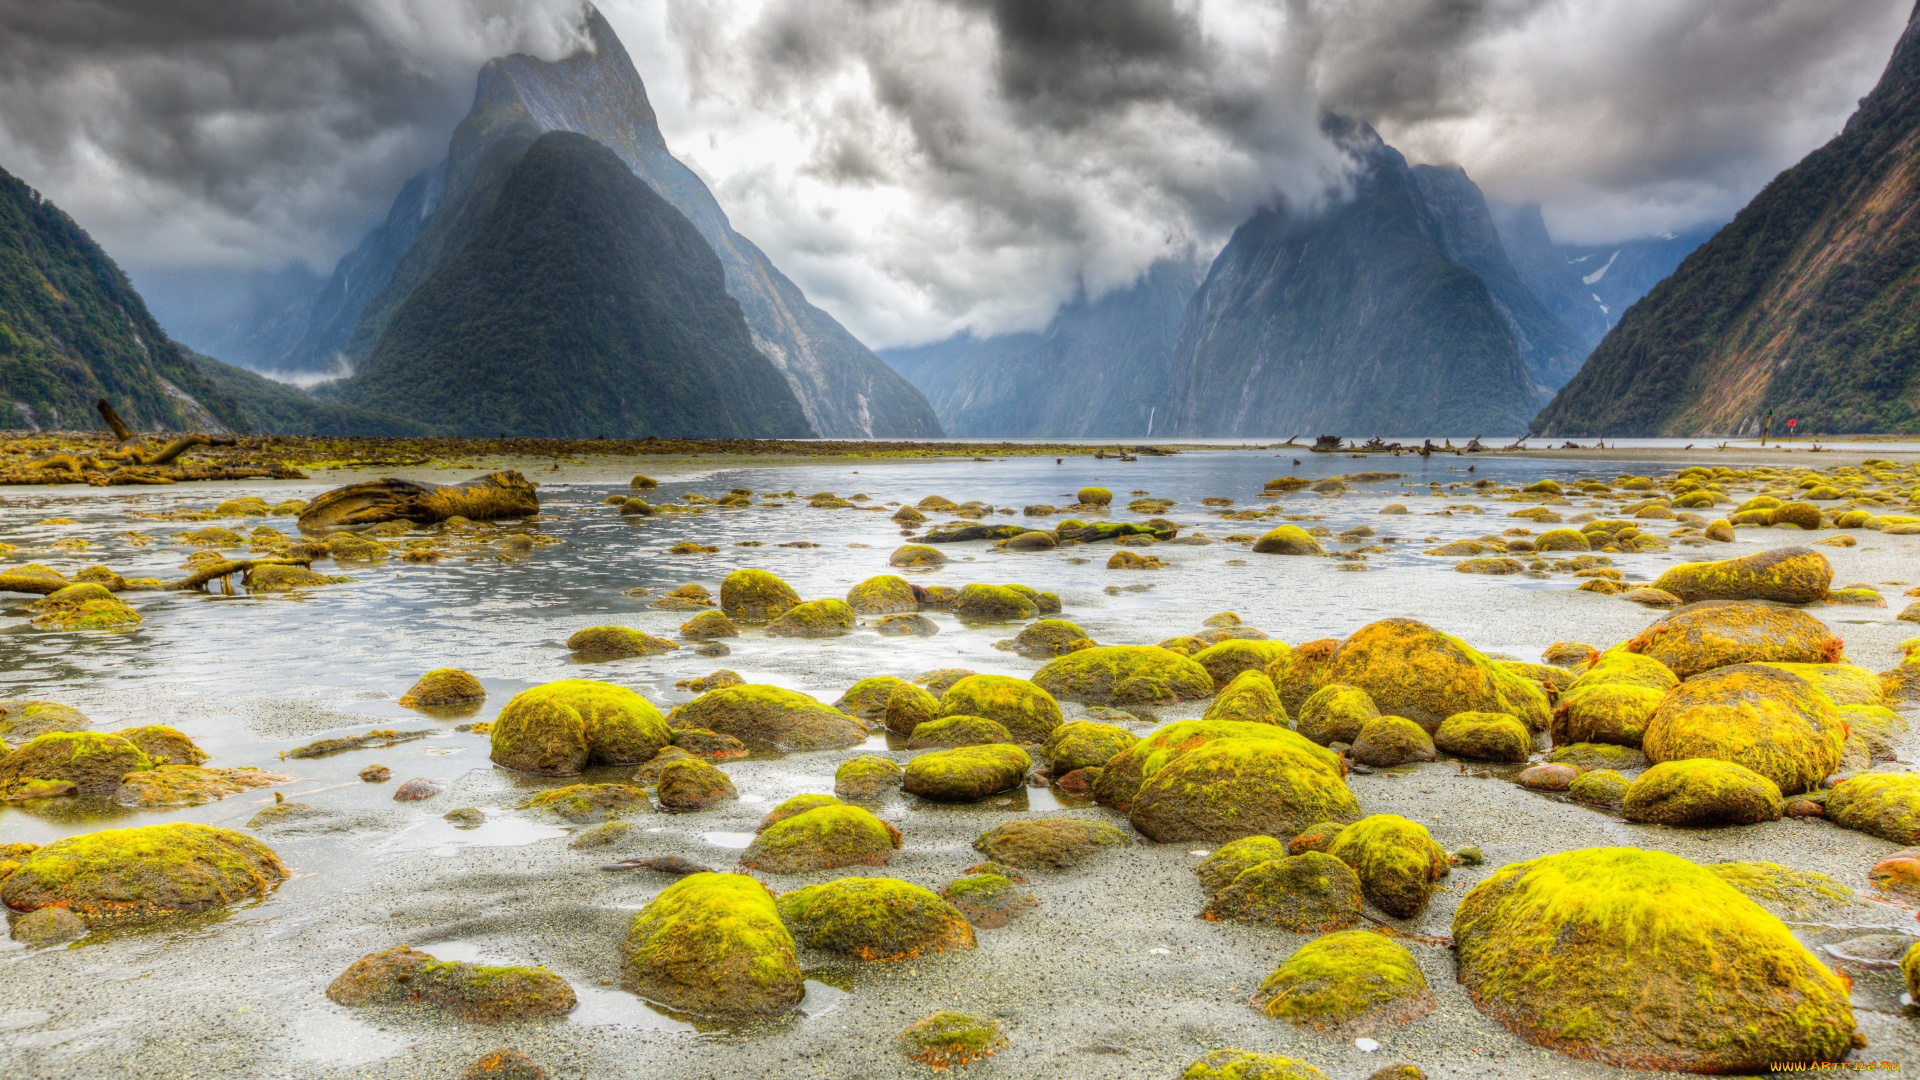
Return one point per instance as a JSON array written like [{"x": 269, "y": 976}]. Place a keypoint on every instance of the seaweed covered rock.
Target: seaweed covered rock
[
  {"x": 993, "y": 603},
  {"x": 1762, "y": 718},
  {"x": 1718, "y": 633},
  {"x": 22, "y": 719},
  {"x": 1301, "y": 672},
  {"x": 823, "y": 838},
  {"x": 1599, "y": 787},
  {"x": 959, "y": 730},
  {"x": 1028, "y": 711},
  {"x": 1308, "y": 893},
  {"x": 188, "y": 785},
  {"x": 713, "y": 945},
  {"x": 1234, "y": 787},
  {"x": 588, "y": 803},
  {"x": 443, "y": 687},
  {"x": 617, "y": 642},
  {"x": 93, "y": 762},
  {"x": 144, "y": 872},
  {"x": 1702, "y": 791},
  {"x": 1481, "y": 736},
  {"x": 692, "y": 784},
  {"x": 946, "y": 1039},
  {"x": 1613, "y": 700},
  {"x": 867, "y": 698},
  {"x": 1125, "y": 675},
  {"x": 1048, "y": 843},
  {"x": 1227, "y": 659},
  {"x": 874, "y": 919},
  {"x": 1412, "y": 670},
  {"x": 1886, "y": 805},
  {"x": 1124, "y": 773},
  {"x": 756, "y": 596},
  {"x": 988, "y": 899},
  {"x": 482, "y": 993},
  {"x": 1247, "y": 1065},
  {"x": 966, "y": 773},
  {"x": 1046, "y": 638},
  {"x": 917, "y": 556},
  {"x": 86, "y": 606},
  {"x": 768, "y": 717},
  {"x": 560, "y": 728},
  {"x": 908, "y": 707},
  {"x": 1249, "y": 698},
  {"x": 1599, "y": 756},
  {"x": 1557, "y": 950},
  {"x": 1336, "y": 713},
  {"x": 1230, "y": 860},
  {"x": 883, "y": 594},
  {"x": 1787, "y": 575},
  {"x": 1397, "y": 862},
  {"x": 708, "y": 626},
  {"x": 1347, "y": 983},
  {"x": 866, "y": 778},
  {"x": 1385, "y": 741},
  {"x": 164, "y": 745},
  {"x": 1288, "y": 540},
  {"x": 48, "y": 926},
  {"x": 1085, "y": 744},
  {"x": 815, "y": 618}
]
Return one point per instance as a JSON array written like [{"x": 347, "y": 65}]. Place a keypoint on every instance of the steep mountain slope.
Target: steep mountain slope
[
  {"x": 1807, "y": 304},
  {"x": 1100, "y": 367},
  {"x": 275, "y": 408},
  {"x": 72, "y": 330},
  {"x": 1459, "y": 222},
  {"x": 1348, "y": 321},
  {"x": 583, "y": 304}
]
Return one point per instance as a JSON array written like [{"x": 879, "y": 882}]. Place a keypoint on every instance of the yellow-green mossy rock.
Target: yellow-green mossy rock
[
  {"x": 908, "y": 706},
  {"x": 1886, "y": 805},
  {"x": 188, "y": 785},
  {"x": 885, "y": 594},
  {"x": 1347, "y": 983},
  {"x": 1125, "y": 675},
  {"x": 1288, "y": 540},
  {"x": 93, "y": 762},
  {"x": 815, "y": 618},
  {"x": 1561, "y": 540},
  {"x": 1762, "y": 718},
  {"x": 989, "y": 900},
  {"x": 1123, "y": 774},
  {"x": 824, "y": 838},
  {"x": 1385, "y": 741},
  {"x": 1910, "y": 970},
  {"x": 768, "y": 717},
  {"x": 950, "y": 731},
  {"x": 1613, "y": 700},
  {"x": 1788, "y": 575},
  {"x": 144, "y": 872},
  {"x": 1336, "y": 713},
  {"x": 966, "y": 773},
  {"x": 1702, "y": 791},
  {"x": 946, "y": 1039},
  {"x": 1028, "y": 711},
  {"x": 1788, "y": 893},
  {"x": 587, "y": 803},
  {"x": 1234, "y": 787},
  {"x": 1412, "y": 670},
  {"x": 1094, "y": 496},
  {"x": 1846, "y": 684},
  {"x": 83, "y": 607},
  {"x": 562, "y": 727},
  {"x": 916, "y": 556},
  {"x": 1249, "y": 698},
  {"x": 874, "y": 919},
  {"x": 1577, "y": 655},
  {"x": 1046, "y": 638},
  {"x": 1603, "y": 954},
  {"x": 22, "y": 719},
  {"x": 1397, "y": 862},
  {"x": 993, "y": 603},
  {"x": 1032, "y": 541},
  {"x": 1717, "y": 633},
  {"x": 442, "y": 687},
  {"x": 1308, "y": 893},
  {"x": 707, "y": 626},
  {"x": 867, "y": 778},
  {"x": 354, "y": 547},
  {"x": 1599, "y": 787},
  {"x": 1481, "y": 736},
  {"x": 1246, "y": 1065},
  {"x": 756, "y": 596},
  {"x": 1230, "y": 860},
  {"x": 1085, "y": 744},
  {"x": 867, "y": 698},
  {"x": 1048, "y": 843},
  {"x": 794, "y": 807},
  {"x": 164, "y": 745},
  {"x": 1599, "y": 756},
  {"x": 692, "y": 784},
  {"x": 1297, "y": 675},
  {"x": 1229, "y": 658},
  {"x": 482, "y": 993},
  {"x": 713, "y": 945},
  {"x": 617, "y": 642},
  {"x": 1802, "y": 515},
  {"x": 279, "y": 578}
]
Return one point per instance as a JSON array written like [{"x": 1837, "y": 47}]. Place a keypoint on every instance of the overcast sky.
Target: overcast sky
[{"x": 923, "y": 165}]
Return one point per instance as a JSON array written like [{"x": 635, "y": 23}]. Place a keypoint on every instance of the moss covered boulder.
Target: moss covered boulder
[
  {"x": 693, "y": 784},
  {"x": 1247, "y": 1065},
  {"x": 1886, "y": 805},
  {"x": 1787, "y": 575},
  {"x": 443, "y": 687},
  {"x": 1249, "y": 698},
  {"x": 1599, "y": 787},
  {"x": 561, "y": 727},
  {"x": 86, "y": 606},
  {"x": 482, "y": 993},
  {"x": 823, "y": 838},
  {"x": 616, "y": 642},
  {"x": 1702, "y": 791},
  {"x": 1601, "y": 954},
  {"x": 1230, "y": 860},
  {"x": 164, "y": 745},
  {"x": 1046, "y": 638},
  {"x": 709, "y": 626},
  {"x": 1613, "y": 700},
  {"x": 966, "y": 773},
  {"x": 771, "y": 718},
  {"x": 1234, "y": 787},
  {"x": 1085, "y": 744},
  {"x": 867, "y": 778},
  {"x": 1309, "y": 893},
  {"x": 1762, "y": 718},
  {"x": 993, "y": 603},
  {"x": 1347, "y": 983},
  {"x": 867, "y": 698},
  {"x": 883, "y": 594},
  {"x": 1288, "y": 540},
  {"x": 1482, "y": 736},
  {"x": 93, "y": 762},
  {"x": 989, "y": 899},
  {"x": 1028, "y": 711},
  {"x": 1125, "y": 675},
  {"x": 1124, "y": 773},
  {"x": 908, "y": 706},
  {"x": 950, "y": 731},
  {"x": 1719, "y": 633},
  {"x": 1227, "y": 659},
  {"x": 1397, "y": 862},
  {"x": 874, "y": 919},
  {"x": 1048, "y": 843},
  {"x": 917, "y": 556},
  {"x": 713, "y": 945},
  {"x": 22, "y": 719},
  {"x": 756, "y": 596},
  {"x": 1298, "y": 674},
  {"x": 1336, "y": 713},
  {"x": 1385, "y": 741},
  {"x": 588, "y": 803},
  {"x": 1412, "y": 670},
  {"x": 144, "y": 872},
  {"x": 815, "y": 618},
  {"x": 1599, "y": 756},
  {"x": 947, "y": 1039}
]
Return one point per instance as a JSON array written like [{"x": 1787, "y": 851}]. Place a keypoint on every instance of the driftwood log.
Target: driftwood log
[{"x": 483, "y": 498}]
